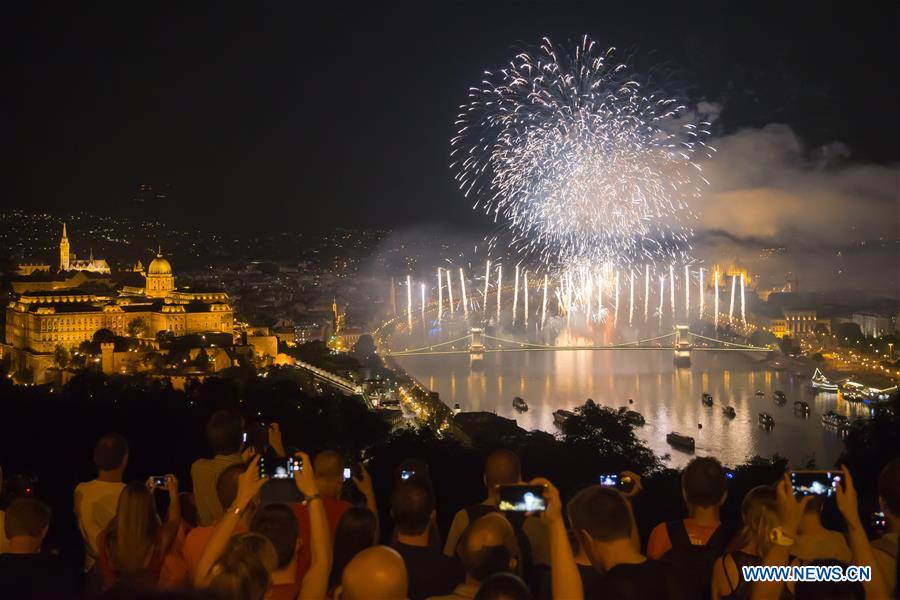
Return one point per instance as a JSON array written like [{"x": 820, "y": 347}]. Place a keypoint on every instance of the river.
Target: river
[{"x": 668, "y": 397}]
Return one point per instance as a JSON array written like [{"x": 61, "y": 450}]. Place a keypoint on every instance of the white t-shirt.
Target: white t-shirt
[{"x": 95, "y": 506}]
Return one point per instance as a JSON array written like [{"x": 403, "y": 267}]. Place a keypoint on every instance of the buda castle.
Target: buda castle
[{"x": 68, "y": 307}]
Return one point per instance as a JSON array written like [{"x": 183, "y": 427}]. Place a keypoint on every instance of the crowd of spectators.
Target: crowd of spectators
[{"x": 264, "y": 520}]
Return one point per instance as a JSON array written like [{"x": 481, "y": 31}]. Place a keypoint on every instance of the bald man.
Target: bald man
[
  {"x": 502, "y": 467},
  {"x": 488, "y": 546},
  {"x": 376, "y": 573}
]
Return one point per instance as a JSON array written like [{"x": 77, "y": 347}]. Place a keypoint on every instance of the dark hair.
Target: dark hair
[
  {"x": 225, "y": 432},
  {"x": 704, "y": 482},
  {"x": 889, "y": 486},
  {"x": 227, "y": 484},
  {"x": 503, "y": 586},
  {"x": 26, "y": 516},
  {"x": 411, "y": 506},
  {"x": 601, "y": 512},
  {"x": 110, "y": 451},
  {"x": 278, "y": 523},
  {"x": 829, "y": 590},
  {"x": 502, "y": 467},
  {"x": 355, "y": 532}
]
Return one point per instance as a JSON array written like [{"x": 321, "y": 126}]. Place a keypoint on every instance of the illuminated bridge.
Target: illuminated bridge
[{"x": 681, "y": 342}]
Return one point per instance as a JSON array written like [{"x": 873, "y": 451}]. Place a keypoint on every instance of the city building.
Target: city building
[
  {"x": 67, "y": 310},
  {"x": 69, "y": 262},
  {"x": 874, "y": 324}
]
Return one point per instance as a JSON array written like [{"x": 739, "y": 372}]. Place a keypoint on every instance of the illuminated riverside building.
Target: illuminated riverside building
[{"x": 51, "y": 313}]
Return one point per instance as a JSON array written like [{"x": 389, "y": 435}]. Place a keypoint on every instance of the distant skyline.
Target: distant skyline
[{"x": 276, "y": 117}]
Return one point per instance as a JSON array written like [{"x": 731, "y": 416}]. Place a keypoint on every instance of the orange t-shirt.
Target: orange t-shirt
[
  {"x": 659, "y": 542},
  {"x": 196, "y": 541}
]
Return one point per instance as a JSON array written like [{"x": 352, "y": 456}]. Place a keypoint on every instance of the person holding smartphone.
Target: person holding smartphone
[{"x": 885, "y": 548}]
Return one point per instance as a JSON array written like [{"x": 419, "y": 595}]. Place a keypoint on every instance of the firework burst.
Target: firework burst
[{"x": 571, "y": 153}]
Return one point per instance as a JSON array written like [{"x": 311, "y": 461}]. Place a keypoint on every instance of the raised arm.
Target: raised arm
[
  {"x": 315, "y": 582},
  {"x": 173, "y": 515},
  {"x": 364, "y": 483},
  {"x": 847, "y": 503},
  {"x": 790, "y": 511},
  {"x": 249, "y": 484},
  {"x": 564, "y": 576}
]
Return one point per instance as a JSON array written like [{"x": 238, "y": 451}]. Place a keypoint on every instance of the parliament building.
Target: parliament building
[{"x": 66, "y": 308}]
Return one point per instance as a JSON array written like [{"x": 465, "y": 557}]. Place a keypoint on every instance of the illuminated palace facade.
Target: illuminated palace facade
[{"x": 60, "y": 310}]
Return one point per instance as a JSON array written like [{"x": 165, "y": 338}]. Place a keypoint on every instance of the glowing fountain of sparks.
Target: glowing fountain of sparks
[
  {"x": 716, "y": 306},
  {"x": 465, "y": 298},
  {"x": 450, "y": 290},
  {"x": 743, "y": 313},
  {"x": 571, "y": 151},
  {"x": 731, "y": 304},
  {"x": 440, "y": 287},
  {"x": 409, "y": 302},
  {"x": 487, "y": 280},
  {"x": 515, "y": 296}
]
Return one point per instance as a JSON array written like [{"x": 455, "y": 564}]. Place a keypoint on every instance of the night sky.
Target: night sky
[{"x": 278, "y": 117}]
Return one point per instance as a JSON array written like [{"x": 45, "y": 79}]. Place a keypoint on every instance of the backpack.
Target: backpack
[
  {"x": 517, "y": 520},
  {"x": 693, "y": 564}
]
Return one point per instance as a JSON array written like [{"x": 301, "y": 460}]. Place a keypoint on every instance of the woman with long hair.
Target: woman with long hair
[
  {"x": 244, "y": 571},
  {"x": 759, "y": 512},
  {"x": 356, "y": 531},
  {"x": 132, "y": 548}
]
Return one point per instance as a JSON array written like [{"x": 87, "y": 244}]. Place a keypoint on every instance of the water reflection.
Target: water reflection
[{"x": 669, "y": 398}]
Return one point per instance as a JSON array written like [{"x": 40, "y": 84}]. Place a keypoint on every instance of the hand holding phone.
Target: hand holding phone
[
  {"x": 522, "y": 498},
  {"x": 160, "y": 482},
  {"x": 815, "y": 483}
]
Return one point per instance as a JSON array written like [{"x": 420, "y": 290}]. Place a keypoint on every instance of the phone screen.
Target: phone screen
[
  {"x": 815, "y": 483},
  {"x": 346, "y": 473},
  {"x": 404, "y": 475},
  {"x": 160, "y": 481},
  {"x": 879, "y": 521},
  {"x": 609, "y": 480},
  {"x": 522, "y": 498},
  {"x": 276, "y": 468}
]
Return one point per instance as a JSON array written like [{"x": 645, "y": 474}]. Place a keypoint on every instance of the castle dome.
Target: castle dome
[{"x": 159, "y": 266}]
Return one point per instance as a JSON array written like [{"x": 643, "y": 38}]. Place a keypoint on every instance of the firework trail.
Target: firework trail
[
  {"x": 525, "y": 274},
  {"x": 465, "y": 298},
  {"x": 487, "y": 280},
  {"x": 616, "y": 314},
  {"x": 516, "y": 295},
  {"x": 440, "y": 287},
  {"x": 499, "y": 287},
  {"x": 630, "y": 297},
  {"x": 450, "y": 290},
  {"x": 580, "y": 161},
  {"x": 662, "y": 289},
  {"x": 731, "y": 304},
  {"x": 422, "y": 285},
  {"x": 646, "y": 290},
  {"x": 544, "y": 307},
  {"x": 687, "y": 294},
  {"x": 409, "y": 302},
  {"x": 672, "y": 289},
  {"x": 716, "y": 307},
  {"x": 743, "y": 313}
]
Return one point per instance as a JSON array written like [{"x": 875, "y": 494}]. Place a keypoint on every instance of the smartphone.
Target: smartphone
[
  {"x": 347, "y": 473},
  {"x": 729, "y": 474},
  {"x": 405, "y": 475},
  {"x": 244, "y": 437},
  {"x": 879, "y": 521},
  {"x": 609, "y": 480},
  {"x": 815, "y": 483},
  {"x": 522, "y": 498},
  {"x": 275, "y": 467},
  {"x": 161, "y": 482}
]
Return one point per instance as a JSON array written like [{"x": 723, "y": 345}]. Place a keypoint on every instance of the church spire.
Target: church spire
[
  {"x": 64, "y": 230},
  {"x": 64, "y": 254}
]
